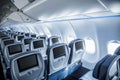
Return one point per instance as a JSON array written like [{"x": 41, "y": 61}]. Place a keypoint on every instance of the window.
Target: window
[
  {"x": 90, "y": 45},
  {"x": 112, "y": 46}
]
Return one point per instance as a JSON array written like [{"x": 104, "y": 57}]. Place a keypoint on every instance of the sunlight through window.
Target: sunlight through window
[
  {"x": 90, "y": 45},
  {"x": 112, "y": 46}
]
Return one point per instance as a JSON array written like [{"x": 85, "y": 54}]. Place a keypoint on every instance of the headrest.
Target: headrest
[
  {"x": 106, "y": 66},
  {"x": 96, "y": 71},
  {"x": 8, "y": 41},
  {"x": 117, "y": 51}
]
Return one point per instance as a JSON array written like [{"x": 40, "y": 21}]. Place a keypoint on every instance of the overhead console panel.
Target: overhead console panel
[{"x": 51, "y": 9}]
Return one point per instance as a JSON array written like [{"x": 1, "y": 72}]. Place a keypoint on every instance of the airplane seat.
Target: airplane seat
[
  {"x": 19, "y": 38},
  {"x": 12, "y": 50},
  {"x": 39, "y": 45},
  {"x": 104, "y": 69},
  {"x": 77, "y": 49},
  {"x": 58, "y": 55},
  {"x": 44, "y": 37},
  {"x": 33, "y": 35},
  {"x": 117, "y": 51},
  {"x": 6, "y": 42},
  {"x": 3, "y": 38},
  {"x": 28, "y": 66},
  {"x": 27, "y": 34},
  {"x": 26, "y": 42},
  {"x": 53, "y": 39},
  {"x": 14, "y": 36},
  {"x": 110, "y": 69},
  {"x": 94, "y": 74}
]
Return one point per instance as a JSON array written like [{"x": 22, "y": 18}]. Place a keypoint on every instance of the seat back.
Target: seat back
[
  {"x": 77, "y": 49},
  {"x": 6, "y": 42},
  {"x": 3, "y": 38},
  {"x": 38, "y": 44},
  {"x": 12, "y": 50},
  {"x": 44, "y": 37},
  {"x": 117, "y": 51},
  {"x": 110, "y": 68},
  {"x": 27, "y": 34},
  {"x": 28, "y": 66},
  {"x": 33, "y": 35},
  {"x": 96, "y": 71},
  {"x": 26, "y": 42},
  {"x": 19, "y": 38},
  {"x": 53, "y": 39},
  {"x": 58, "y": 56}
]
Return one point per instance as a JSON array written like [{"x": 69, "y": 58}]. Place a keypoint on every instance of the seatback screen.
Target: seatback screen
[
  {"x": 15, "y": 49},
  {"x": 27, "y": 34},
  {"x": 59, "y": 51},
  {"x": 27, "y": 62},
  {"x": 20, "y": 38},
  {"x": 38, "y": 44},
  {"x": 7, "y": 42},
  {"x": 78, "y": 45},
  {"x": 27, "y": 41},
  {"x": 43, "y": 37},
  {"x": 54, "y": 40},
  {"x": 33, "y": 35}
]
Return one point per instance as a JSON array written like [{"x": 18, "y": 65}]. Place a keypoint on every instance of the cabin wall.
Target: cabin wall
[{"x": 107, "y": 29}]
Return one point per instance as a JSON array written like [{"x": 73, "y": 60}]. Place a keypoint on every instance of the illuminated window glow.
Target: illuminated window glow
[
  {"x": 112, "y": 46},
  {"x": 90, "y": 45}
]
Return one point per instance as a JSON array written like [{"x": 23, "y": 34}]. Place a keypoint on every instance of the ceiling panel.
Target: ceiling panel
[
  {"x": 112, "y": 5},
  {"x": 51, "y": 9}
]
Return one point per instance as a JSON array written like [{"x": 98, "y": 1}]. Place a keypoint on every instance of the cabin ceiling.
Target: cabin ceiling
[
  {"x": 61, "y": 9},
  {"x": 6, "y": 8}
]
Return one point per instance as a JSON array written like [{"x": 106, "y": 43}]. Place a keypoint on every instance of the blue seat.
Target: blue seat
[
  {"x": 6, "y": 42},
  {"x": 39, "y": 45},
  {"x": 117, "y": 51},
  {"x": 53, "y": 39},
  {"x": 58, "y": 56},
  {"x": 105, "y": 69},
  {"x": 27, "y": 66},
  {"x": 110, "y": 69},
  {"x": 27, "y": 42},
  {"x": 77, "y": 49},
  {"x": 12, "y": 50}
]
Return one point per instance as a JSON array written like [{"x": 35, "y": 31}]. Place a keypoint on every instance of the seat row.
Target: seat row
[{"x": 52, "y": 52}]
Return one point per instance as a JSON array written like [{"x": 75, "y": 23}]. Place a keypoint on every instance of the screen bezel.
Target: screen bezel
[
  {"x": 29, "y": 67},
  {"x": 76, "y": 48},
  {"x": 63, "y": 55},
  {"x": 14, "y": 51},
  {"x": 40, "y": 46},
  {"x": 54, "y": 40}
]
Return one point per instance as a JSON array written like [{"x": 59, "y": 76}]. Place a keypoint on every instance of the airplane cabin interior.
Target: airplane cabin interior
[{"x": 60, "y": 40}]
